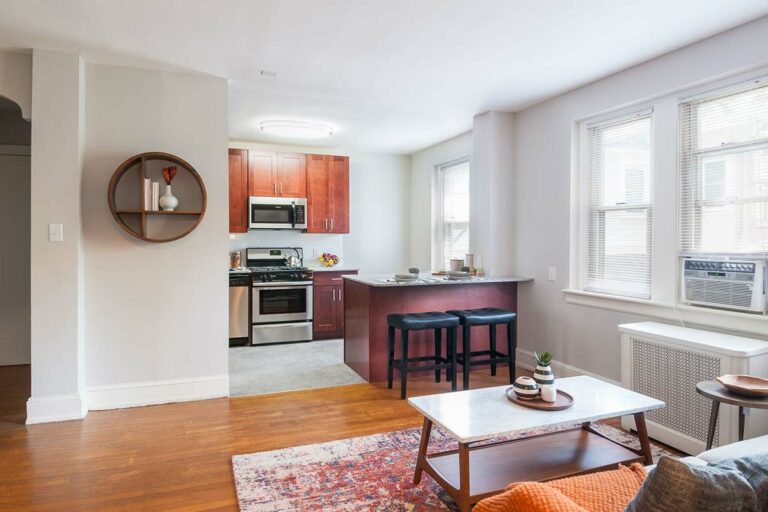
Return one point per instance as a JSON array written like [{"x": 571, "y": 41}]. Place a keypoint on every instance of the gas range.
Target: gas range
[
  {"x": 279, "y": 274},
  {"x": 281, "y": 295}
]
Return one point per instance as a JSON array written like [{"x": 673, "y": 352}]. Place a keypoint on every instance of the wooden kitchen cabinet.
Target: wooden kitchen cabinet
[
  {"x": 277, "y": 174},
  {"x": 328, "y": 304},
  {"x": 238, "y": 190},
  {"x": 328, "y": 194}
]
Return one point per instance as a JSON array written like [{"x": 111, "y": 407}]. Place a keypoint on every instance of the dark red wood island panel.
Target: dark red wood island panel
[{"x": 366, "y": 307}]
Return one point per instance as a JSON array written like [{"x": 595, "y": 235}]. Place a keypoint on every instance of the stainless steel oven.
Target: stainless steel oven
[
  {"x": 277, "y": 213},
  {"x": 281, "y": 311}
]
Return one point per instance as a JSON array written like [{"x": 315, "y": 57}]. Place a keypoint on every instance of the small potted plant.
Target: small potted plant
[
  {"x": 544, "y": 377},
  {"x": 168, "y": 201}
]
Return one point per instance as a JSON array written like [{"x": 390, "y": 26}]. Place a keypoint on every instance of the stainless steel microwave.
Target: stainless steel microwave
[{"x": 277, "y": 213}]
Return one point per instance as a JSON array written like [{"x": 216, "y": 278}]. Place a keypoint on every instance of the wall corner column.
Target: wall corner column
[{"x": 57, "y": 282}]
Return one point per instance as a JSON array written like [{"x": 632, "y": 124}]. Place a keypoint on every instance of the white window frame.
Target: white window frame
[
  {"x": 580, "y": 177},
  {"x": 665, "y": 283},
  {"x": 438, "y": 248}
]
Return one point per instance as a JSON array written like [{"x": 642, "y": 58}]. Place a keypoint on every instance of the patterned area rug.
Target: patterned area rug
[{"x": 371, "y": 473}]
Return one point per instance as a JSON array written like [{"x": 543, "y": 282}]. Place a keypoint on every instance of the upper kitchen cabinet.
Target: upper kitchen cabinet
[
  {"x": 328, "y": 194},
  {"x": 277, "y": 174},
  {"x": 291, "y": 175},
  {"x": 238, "y": 190}
]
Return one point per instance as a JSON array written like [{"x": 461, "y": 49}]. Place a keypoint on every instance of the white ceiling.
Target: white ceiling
[{"x": 390, "y": 75}]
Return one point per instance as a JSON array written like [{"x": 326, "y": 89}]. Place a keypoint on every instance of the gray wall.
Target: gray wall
[
  {"x": 14, "y": 240},
  {"x": 581, "y": 336}
]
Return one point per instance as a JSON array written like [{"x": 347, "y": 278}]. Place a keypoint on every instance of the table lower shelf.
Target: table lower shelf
[{"x": 547, "y": 457}]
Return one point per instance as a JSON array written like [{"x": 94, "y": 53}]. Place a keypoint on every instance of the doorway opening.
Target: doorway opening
[{"x": 15, "y": 320}]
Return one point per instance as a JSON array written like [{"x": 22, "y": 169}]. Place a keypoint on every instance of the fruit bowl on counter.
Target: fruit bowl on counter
[{"x": 329, "y": 260}]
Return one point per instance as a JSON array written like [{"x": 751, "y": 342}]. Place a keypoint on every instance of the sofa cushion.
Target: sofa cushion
[
  {"x": 606, "y": 491},
  {"x": 748, "y": 448},
  {"x": 737, "y": 485}
]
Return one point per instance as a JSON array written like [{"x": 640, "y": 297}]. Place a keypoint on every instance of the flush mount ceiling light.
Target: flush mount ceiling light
[{"x": 296, "y": 129}]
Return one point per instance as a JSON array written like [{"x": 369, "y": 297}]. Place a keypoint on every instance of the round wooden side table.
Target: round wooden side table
[{"x": 719, "y": 393}]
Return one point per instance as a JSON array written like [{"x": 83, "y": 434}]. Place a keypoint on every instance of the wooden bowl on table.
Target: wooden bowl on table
[{"x": 745, "y": 385}]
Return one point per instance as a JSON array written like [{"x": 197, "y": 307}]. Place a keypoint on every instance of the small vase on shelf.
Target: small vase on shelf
[{"x": 168, "y": 201}]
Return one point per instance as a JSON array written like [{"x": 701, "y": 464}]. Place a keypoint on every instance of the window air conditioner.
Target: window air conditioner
[{"x": 729, "y": 284}]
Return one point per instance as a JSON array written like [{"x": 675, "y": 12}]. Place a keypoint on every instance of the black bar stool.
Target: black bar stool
[
  {"x": 490, "y": 317},
  {"x": 418, "y": 322}
]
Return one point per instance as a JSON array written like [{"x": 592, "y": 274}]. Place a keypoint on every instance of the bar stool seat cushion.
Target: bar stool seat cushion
[
  {"x": 418, "y": 321},
  {"x": 484, "y": 316}
]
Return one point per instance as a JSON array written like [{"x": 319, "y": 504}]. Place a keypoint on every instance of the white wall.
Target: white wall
[
  {"x": 423, "y": 176},
  {"x": 57, "y": 331},
  {"x": 582, "y": 336},
  {"x": 492, "y": 212},
  {"x": 156, "y": 314},
  {"x": 379, "y": 203}
]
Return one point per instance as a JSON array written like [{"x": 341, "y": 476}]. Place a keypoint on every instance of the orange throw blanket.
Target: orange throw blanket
[{"x": 605, "y": 491}]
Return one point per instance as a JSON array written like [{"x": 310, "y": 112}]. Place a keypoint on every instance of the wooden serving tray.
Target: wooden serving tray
[{"x": 564, "y": 401}]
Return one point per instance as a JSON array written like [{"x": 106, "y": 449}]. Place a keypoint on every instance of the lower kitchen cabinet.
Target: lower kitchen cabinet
[{"x": 328, "y": 304}]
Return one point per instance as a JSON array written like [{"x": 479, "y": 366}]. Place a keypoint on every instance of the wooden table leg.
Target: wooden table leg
[
  {"x": 421, "y": 459},
  {"x": 464, "y": 490},
  {"x": 712, "y": 423},
  {"x": 642, "y": 434},
  {"x": 741, "y": 423}
]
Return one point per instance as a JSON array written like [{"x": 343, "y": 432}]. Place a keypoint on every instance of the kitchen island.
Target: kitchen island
[{"x": 369, "y": 299}]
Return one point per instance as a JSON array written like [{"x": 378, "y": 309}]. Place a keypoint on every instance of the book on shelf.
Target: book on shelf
[
  {"x": 155, "y": 196},
  {"x": 147, "y": 200}
]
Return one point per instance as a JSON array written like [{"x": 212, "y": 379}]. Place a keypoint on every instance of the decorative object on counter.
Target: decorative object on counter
[
  {"x": 406, "y": 277},
  {"x": 169, "y": 202},
  {"x": 469, "y": 261},
  {"x": 134, "y": 212},
  {"x": 459, "y": 274},
  {"x": 745, "y": 385},
  {"x": 562, "y": 401},
  {"x": 414, "y": 270},
  {"x": 235, "y": 259},
  {"x": 329, "y": 260},
  {"x": 456, "y": 264},
  {"x": 478, "y": 267},
  {"x": 525, "y": 388}
]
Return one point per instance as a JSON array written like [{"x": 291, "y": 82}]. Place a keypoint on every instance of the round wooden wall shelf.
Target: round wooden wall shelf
[{"x": 126, "y": 198}]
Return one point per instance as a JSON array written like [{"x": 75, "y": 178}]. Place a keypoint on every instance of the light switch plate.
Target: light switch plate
[
  {"x": 552, "y": 273},
  {"x": 55, "y": 232}
]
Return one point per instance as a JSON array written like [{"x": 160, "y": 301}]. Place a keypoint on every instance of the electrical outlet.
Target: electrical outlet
[
  {"x": 314, "y": 252},
  {"x": 552, "y": 273},
  {"x": 55, "y": 232}
]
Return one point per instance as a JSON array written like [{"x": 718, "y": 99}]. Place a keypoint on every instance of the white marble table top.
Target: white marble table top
[
  {"x": 387, "y": 280},
  {"x": 481, "y": 414}
]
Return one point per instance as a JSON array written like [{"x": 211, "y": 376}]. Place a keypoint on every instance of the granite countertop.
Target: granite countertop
[
  {"x": 337, "y": 268},
  {"x": 385, "y": 280}
]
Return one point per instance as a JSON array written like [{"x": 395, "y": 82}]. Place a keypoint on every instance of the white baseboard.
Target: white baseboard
[
  {"x": 48, "y": 409},
  {"x": 138, "y": 394},
  {"x": 525, "y": 360}
]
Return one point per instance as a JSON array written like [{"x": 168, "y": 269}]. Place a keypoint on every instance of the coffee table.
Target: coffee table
[{"x": 486, "y": 416}]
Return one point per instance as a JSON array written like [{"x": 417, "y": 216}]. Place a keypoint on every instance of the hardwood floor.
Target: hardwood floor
[{"x": 177, "y": 456}]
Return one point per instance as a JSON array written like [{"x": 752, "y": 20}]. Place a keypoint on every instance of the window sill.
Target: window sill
[{"x": 689, "y": 316}]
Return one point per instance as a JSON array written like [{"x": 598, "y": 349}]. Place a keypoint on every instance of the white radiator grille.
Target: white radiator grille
[{"x": 670, "y": 374}]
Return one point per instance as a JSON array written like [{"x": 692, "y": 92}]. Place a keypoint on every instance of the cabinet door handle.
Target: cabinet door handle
[
  {"x": 326, "y": 224},
  {"x": 334, "y": 295},
  {"x": 339, "y": 294},
  {"x": 281, "y": 188},
  {"x": 274, "y": 188},
  {"x": 331, "y": 223},
  {"x": 335, "y": 279}
]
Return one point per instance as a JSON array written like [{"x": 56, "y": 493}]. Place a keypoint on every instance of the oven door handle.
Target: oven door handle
[
  {"x": 293, "y": 214},
  {"x": 284, "y": 284}
]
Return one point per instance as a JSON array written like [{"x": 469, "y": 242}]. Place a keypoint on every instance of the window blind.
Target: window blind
[
  {"x": 619, "y": 171},
  {"x": 724, "y": 172},
  {"x": 454, "y": 222}
]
